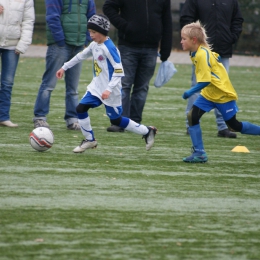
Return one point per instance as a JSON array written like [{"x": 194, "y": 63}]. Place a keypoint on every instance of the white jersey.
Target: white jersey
[{"x": 107, "y": 70}]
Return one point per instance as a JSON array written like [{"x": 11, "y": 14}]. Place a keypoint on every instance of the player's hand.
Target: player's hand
[
  {"x": 60, "y": 73},
  {"x": 105, "y": 94},
  {"x": 185, "y": 95},
  {"x": 1, "y": 9}
]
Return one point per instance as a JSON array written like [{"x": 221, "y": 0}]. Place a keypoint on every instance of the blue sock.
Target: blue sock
[
  {"x": 124, "y": 122},
  {"x": 82, "y": 115},
  {"x": 250, "y": 129},
  {"x": 196, "y": 138}
]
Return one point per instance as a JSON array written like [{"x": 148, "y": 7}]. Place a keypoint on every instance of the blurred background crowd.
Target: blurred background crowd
[{"x": 248, "y": 44}]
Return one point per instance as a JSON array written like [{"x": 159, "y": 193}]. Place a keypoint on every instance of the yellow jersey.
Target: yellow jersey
[{"x": 208, "y": 68}]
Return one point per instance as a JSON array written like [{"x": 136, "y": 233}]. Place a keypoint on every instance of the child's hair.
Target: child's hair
[{"x": 197, "y": 30}]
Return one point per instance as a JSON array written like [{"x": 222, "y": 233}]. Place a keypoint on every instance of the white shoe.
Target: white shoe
[
  {"x": 85, "y": 144},
  {"x": 149, "y": 137},
  {"x": 8, "y": 123}
]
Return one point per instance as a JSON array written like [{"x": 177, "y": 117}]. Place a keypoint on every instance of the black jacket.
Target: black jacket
[
  {"x": 222, "y": 20},
  {"x": 142, "y": 23}
]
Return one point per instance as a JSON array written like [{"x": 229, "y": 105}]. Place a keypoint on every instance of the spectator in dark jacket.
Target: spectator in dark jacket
[
  {"x": 223, "y": 23},
  {"x": 143, "y": 27}
]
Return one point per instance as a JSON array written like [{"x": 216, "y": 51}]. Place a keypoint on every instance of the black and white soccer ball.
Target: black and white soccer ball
[{"x": 41, "y": 139}]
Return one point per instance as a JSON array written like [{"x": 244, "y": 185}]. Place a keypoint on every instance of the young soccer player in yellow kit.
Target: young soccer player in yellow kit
[{"x": 216, "y": 90}]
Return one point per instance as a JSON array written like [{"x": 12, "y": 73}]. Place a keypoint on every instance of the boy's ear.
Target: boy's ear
[{"x": 194, "y": 39}]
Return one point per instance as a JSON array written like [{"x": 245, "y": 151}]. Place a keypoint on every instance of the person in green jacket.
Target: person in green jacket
[{"x": 67, "y": 35}]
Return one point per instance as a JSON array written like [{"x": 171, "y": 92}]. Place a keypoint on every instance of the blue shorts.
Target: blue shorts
[
  {"x": 228, "y": 110},
  {"x": 93, "y": 101}
]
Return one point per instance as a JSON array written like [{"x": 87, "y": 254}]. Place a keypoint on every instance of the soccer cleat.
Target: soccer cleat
[
  {"x": 196, "y": 157},
  {"x": 226, "y": 133},
  {"x": 40, "y": 123},
  {"x": 85, "y": 144},
  {"x": 115, "y": 128},
  {"x": 149, "y": 137},
  {"x": 74, "y": 126}
]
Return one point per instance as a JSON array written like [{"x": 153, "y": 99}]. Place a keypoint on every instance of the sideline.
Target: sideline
[{"x": 177, "y": 57}]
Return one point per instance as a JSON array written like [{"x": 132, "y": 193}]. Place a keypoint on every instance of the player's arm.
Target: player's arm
[
  {"x": 198, "y": 87},
  {"x": 116, "y": 76},
  {"x": 83, "y": 55},
  {"x": 117, "y": 71}
]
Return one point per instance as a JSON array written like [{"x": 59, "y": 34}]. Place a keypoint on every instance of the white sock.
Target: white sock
[
  {"x": 136, "y": 128},
  {"x": 86, "y": 128}
]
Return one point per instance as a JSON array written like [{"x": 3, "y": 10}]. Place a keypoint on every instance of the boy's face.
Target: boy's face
[
  {"x": 96, "y": 36},
  {"x": 188, "y": 44}
]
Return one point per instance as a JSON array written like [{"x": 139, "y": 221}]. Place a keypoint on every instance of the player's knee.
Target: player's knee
[
  {"x": 192, "y": 117},
  {"x": 189, "y": 117},
  {"x": 234, "y": 125},
  {"x": 81, "y": 108},
  {"x": 116, "y": 121}
]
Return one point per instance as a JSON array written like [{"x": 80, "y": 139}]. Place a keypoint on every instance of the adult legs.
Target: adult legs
[
  {"x": 139, "y": 65},
  {"x": 72, "y": 76},
  {"x": 129, "y": 58},
  {"x": 55, "y": 58},
  {"x": 9, "y": 61},
  {"x": 144, "y": 73}
]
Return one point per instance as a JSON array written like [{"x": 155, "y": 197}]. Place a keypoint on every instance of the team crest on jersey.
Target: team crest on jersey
[{"x": 101, "y": 58}]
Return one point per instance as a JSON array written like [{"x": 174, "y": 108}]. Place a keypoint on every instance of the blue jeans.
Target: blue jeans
[
  {"x": 139, "y": 65},
  {"x": 221, "y": 125},
  {"x": 9, "y": 60},
  {"x": 55, "y": 58}
]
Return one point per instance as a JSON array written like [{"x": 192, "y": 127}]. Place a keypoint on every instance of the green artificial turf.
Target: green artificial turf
[{"x": 119, "y": 201}]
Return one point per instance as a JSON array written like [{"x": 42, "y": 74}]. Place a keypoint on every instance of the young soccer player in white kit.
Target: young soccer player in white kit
[{"x": 105, "y": 87}]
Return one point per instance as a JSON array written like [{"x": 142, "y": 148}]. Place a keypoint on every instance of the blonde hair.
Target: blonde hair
[{"x": 197, "y": 30}]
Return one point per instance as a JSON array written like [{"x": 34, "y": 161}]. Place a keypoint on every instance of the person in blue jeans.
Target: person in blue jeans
[
  {"x": 223, "y": 23},
  {"x": 16, "y": 18},
  {"x": 138, "y": 43},
  {"x": 67, "y": 35}
]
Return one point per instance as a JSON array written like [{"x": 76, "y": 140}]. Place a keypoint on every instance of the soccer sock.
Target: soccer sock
[
  {"x": 132, "y": 126},
  {"x": 250, "y": 129},
  {"x": 196, "y": 138},
  {"x": 86, "y": 129}
]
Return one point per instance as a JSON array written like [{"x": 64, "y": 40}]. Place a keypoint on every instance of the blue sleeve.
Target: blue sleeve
[
  {"x": 53, "y": 13},
  {"x": 91, "y": 11},
  {"x": 199, "y": 86}
]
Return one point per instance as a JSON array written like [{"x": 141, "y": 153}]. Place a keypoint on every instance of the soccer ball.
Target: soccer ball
[{"x": 41, "y": 139}]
